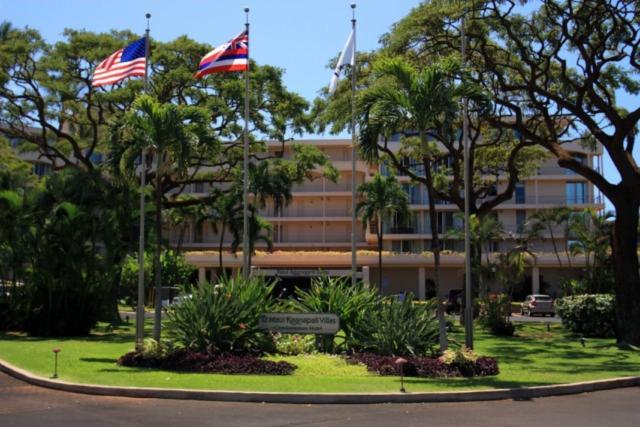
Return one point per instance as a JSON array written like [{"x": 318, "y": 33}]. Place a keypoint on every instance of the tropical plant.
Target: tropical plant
[
  {"x": 398, "y": 328},
  {"x": 550, "y": 220},
  {"x": 494, "y": 314},
  {"x": 591, "y": 236},
  {"x": 484, "y": 231},
  {"x": 259, "y": 231},
  {"x": 174, "y": 132},
  {"x": 337, "y": 295},
  {"x": 511, "y": 267},
  {"x": 382, "y": 199},
  {"x": 223, "y": 317}
]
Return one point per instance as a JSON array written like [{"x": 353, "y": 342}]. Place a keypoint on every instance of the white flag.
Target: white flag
[{"x": 347, "y": 56}]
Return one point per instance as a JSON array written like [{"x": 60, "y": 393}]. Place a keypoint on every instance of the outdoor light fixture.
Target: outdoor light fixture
[
  {"x": 55, "y": 366},
  {"x": 401, "y": 362}
]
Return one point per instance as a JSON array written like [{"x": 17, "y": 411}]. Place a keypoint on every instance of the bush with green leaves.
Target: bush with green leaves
[
  {"x": 294, "y": 344},
  {"x": 223, "y": 317},
  {"x": 494, "y": 312},
  {"x": 351, "y": 303},
  {"x": 588, "y": 315},
  {"x": 398, "y": 328},
  {"x": 175, "y": 272}
]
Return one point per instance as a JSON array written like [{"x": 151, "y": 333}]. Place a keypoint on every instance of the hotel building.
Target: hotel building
[{"x": 311, "y": 236}]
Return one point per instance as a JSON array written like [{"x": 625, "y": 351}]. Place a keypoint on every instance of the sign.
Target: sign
[{"x": 300, "y": 323}]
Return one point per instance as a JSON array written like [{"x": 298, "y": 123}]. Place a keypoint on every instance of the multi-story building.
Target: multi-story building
[{"x": 311, "y": 236}]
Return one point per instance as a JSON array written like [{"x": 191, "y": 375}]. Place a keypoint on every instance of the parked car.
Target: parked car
[
  {"x": 167, "y": 304},
  {"x": 538, "y": 304}
]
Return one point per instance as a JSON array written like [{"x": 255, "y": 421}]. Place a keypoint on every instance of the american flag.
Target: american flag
[
  {"x": 123, "y": 63},
  {"x": 231, "y": 56}
]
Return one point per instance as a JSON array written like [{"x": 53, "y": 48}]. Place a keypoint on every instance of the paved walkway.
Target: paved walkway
[{"x": 25, "y": 405}]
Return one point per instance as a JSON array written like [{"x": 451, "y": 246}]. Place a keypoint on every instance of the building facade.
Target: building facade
[{"x": 311, "y": 236}]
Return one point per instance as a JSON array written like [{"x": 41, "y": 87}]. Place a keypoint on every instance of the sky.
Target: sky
[{"x": 298, "y": 36}]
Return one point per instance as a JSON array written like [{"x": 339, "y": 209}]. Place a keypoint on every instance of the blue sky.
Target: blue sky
[{"x": 298, "y": 36}]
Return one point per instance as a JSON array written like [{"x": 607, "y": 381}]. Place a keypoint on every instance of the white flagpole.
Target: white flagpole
[
  {"x": 143, "y": 172},
  {"x": 354, "y": 202},
  {"x": 245, "y": 239}
]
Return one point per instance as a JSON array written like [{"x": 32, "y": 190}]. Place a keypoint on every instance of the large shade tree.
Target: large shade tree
[
  {"x": 557, "y": 72},
  {"x": 48, "y": 104}
]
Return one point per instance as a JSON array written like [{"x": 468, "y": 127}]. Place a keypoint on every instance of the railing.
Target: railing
[{"x": 530, "y": 199}]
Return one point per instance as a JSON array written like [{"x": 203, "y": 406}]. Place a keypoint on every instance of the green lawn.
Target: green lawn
[{"x": 533, "y": 357}]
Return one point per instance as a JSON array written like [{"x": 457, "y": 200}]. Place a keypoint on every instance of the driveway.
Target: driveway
[{"x": 25, "y": 405}]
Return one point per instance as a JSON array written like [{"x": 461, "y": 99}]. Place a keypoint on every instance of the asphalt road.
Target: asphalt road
[{"x": 25, "y": 405}]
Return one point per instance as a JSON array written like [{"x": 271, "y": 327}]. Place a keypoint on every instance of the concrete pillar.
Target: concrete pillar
[
  {"x": 422, "y": 284},
  {"x": 535, "y": 280},
  {"x": 202, "y": 275},
  {"x": 365, "y": 275}
]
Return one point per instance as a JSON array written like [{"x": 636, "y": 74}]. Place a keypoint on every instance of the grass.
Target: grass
[{"x": 533, "y": 357}]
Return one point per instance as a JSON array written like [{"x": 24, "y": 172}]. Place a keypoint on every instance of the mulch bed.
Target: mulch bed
[
  {"x": 190, "y": 361},
  {"x": 428, "y": 367}
]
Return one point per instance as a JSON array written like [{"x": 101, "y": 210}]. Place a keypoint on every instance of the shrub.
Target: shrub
[
  {"x": 223, "y": 363},
  {"x": 224, "y": 317},
  {"x": 152, "y": 349},
  {"x": 398, "y": 328},
  {"x": 452, "y": 364},
  {"x": 293, "y": 344},
  {"x": 462, "y": 359},
  {"x": 338, "y": 296},
  {"x": 588, "y": 315},
  {"x": 493, "y": 315},
  {"x": 175, "y": 271}
]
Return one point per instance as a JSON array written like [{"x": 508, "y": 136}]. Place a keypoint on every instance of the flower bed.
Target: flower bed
[
  {"x": 452, "y": 364},
  {"x": 225, "y": 363}
]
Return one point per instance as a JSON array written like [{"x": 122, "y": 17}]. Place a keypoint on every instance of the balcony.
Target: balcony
[
  {"x": 530, "y": 199},
  {"x": 402, "y": 230}
]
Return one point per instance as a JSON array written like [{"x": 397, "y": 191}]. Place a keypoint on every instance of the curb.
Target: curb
[{"x": 322, "y": 398}]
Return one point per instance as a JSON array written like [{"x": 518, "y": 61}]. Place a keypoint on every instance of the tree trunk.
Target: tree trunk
[
  {"x": 220, "y": 249},
  {"x": 435, "y": 247},
  {"x": 157, "y": 325},
  {"x": 627, "y": 276},
  {"x": 555, "y": 246},
  {"x": 380, "y": 234}
]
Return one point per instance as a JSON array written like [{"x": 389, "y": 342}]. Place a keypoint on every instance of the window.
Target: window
[
  {"x": 493, "y": 190},
  {"x": 41, "y": 169},
  {"x": 576, "y": 193},
  {"x": 197, "y": 233},
  {"x": 521, "y": 217},
  {"x": 581, "y": 158},
  {"x": 402, "y": 246},
  {"x": 445, "y": 221},
  {"x": 520, "y": 194},
  {"x": 198, "y": 187}
]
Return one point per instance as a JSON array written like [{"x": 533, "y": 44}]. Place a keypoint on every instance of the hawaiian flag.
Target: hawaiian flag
[
  {"x": 127, "y": 62},
  {"x": 231, "y": 56}
]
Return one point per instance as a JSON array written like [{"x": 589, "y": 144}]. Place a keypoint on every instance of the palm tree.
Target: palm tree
[
  {"x": 406, "y": 98},
  {"x": 257, "y": 225},
  {"x": 382, "y": 199},
  {"x": 484, "y": 231},
  {"x": 592, "y": 234},
  {"x": 226, "y": 211},
  {"x": 549, "y": 220},
  {"x": 174, "y": 132}
]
